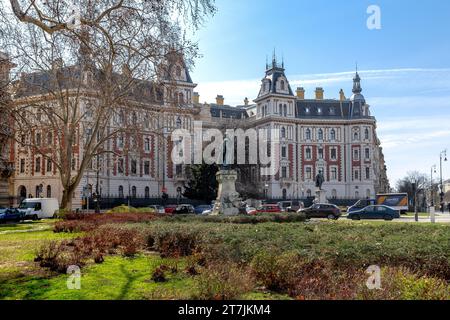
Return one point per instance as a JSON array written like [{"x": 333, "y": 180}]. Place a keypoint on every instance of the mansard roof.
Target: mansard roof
[
  {"x": 228, "y": 112},
  {"x": 329, "y": 109}
]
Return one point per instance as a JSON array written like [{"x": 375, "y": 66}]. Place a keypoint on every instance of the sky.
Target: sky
[{"x": 404, "y": 66}]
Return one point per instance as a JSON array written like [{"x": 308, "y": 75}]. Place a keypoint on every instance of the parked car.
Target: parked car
[
  {"x": 11, "y": 215},
  {"x": 170, "y": 209},
  {"x": 39, "y": 208},
  {"x": 291, "y": 206},
  {"x": 375, "y": 212},
  {"x": 251, "y": 210},
  {"x": 321, "y": 210},
  {"x": 158, "y": 209},
  {"x": 269, "y": 208},
  {"x": 184, "y": 209},
  {"x": 202, "y": 208}
]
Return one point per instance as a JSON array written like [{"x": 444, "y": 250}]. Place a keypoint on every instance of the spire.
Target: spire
[
  {"x": 267, "y": 62},
  {"x": 357, "y": 82},
  {"x": 282, "y": 61},
  {"x": 274, "y": 59}
]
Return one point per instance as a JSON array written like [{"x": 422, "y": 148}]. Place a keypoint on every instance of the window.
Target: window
[
  {"x": 37, "y": 168},
  {"x": 320, "y": 153},
  {"x": 49, "y": 191},
  {"x": 332, "y": 111},
  {"x": 284, "y": 194},
  {"x": 283, "y": 132},
  {"x": 178, "y": 71},
  {"x": 366, "y": 134},
  {"x": 355, "y": 136},
  {"x": 38, "y": 192},
  {"x": 23, "y": 139},
  {"x": 333, "y": 153},
  {"x": 147, "y": 144},
  {"x": 180, "y": 98},
  {"x": 320, "y": 134},
  {"x": 356, "y": 175},
  {"x": 49, "y": 166},
  {"x": 120, "y": 191},
  {"x": 38, "y": 139},
  {"x": 332, "y": 135},
  {"x": 285, "y": 110},
  {"x": 120, "y": 141},
  {"x": 134, "y": 118},
  {"x": 367, "y": 153},
  {"x": 147, "y": 168},
  {"x": 334, "y": 173},
  {"x": 120, "y": 166},
  {"x": 133, "y": 166},
  {"x": 147, "y": 192},
  {"x": 134, "y": 192},
  {"x": 284, "y": 172},
  {"x": 282, "y": 85},
  {"x": 74, "y": 164},
  {"x": 308, "y": 154},
  {"x": 49, "y": 138},
  {"x": 334, "y": 194},
  {"x": 367, "y": 173},
  {"x": 308, "y": 173},
  {"x": 39, "y": 116},
  {"x": 308, "y": 134},
  {"x": 283, "y": 152},
  {"x": 22, "y": 165},
  {"x": 178, "y": 170},
  {"x": 179, "y": 123},
  {"x": 356, "y": 155}
]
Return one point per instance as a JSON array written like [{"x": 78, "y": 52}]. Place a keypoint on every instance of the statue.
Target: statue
[
  {"x": 320, "y": 180},
  {"x": 224, "y": 152}
]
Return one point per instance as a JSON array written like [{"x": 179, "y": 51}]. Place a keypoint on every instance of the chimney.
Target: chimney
[
  {"x": 246, "y": 101},
  {"x": 342, "y": 95},
  {"x": 220, "y": 100},
  {"x": 301, "y": 93},
  {"x": 319, "y": 93},
  {"x": 196, "y": 98}
]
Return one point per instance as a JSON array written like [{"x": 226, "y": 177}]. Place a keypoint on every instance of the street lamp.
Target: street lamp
[
  {"x": 433, "y": 170},
  {"x": 443, "y": 157}
]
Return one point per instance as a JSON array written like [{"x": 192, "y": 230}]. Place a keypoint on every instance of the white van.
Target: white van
[{"x": 39, "y": 208}]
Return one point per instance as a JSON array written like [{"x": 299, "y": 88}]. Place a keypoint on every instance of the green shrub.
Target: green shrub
[{"x": 126, "y": 209}]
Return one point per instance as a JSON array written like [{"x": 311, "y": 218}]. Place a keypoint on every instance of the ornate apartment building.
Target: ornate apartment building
[{"x": 335, "y": 137}]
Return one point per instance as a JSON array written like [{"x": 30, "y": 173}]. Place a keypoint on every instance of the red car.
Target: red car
[
  {"x": 170, "y": 209},
  {"x": 269, "y": 208}
]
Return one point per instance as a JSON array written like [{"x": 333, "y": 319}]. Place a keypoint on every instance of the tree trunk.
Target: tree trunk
[{"x": 66, "y": 203}]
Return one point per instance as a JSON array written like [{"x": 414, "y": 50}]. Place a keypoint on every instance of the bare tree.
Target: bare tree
[{"x": 88, "y": 67}]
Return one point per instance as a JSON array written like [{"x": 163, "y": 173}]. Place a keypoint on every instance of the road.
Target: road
[{"x": 440, "y": 218}]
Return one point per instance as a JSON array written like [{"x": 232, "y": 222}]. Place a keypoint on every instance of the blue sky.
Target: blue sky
[{"x": 405, "y": 66}]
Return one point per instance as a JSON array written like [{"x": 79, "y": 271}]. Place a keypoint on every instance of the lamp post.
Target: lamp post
[
  {"x": 433, "y": 169},
  {"x": 443, "y": 157}
]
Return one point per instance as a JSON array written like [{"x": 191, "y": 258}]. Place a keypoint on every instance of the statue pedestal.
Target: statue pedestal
[
  {"x": 228, "y": 199},
  {"x": 321, "y": 197}
]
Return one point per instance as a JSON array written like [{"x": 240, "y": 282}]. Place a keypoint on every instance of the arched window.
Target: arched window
[
  {"x": 308, "y": 134},
  {"x": 49, "y": 138},
  {"x": 320, "y": 134},
  {"x": 355, "y": 136},
  {"x": 133, "y": 192},
  {"x": 120, "y": 191},
  {"x": 134, "y": 118},
  {"x": 284, "y": 194},
  {"x": 280, "y": 109},
  {"x": 282, "y": 85},
  {"x": 332, "y": 135},
  {"x": 283, "y": 132},
  {"x": 308, "y": 154},
  {"x": 49, "y": 191},
  {"x": 38, "y": 191},
  {"x": 179, "y": 123},
  {"x": 147, "y": 192},
  {"x": 285, "y": 110},
  {"x": 366, "y": 134}
]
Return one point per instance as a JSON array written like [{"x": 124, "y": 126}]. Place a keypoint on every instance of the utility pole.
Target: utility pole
[{"x": 443, "y": 157}]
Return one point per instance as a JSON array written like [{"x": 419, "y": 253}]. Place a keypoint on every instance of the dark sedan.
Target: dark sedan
[
  {"x": 329, "y": 211},
  {"x": 375, "y": 212},
  {"x": 184, "y": 209},
  {"x": 202, "y": 208}
]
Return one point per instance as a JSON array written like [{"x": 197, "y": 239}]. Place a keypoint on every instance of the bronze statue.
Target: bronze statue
[{"x": 320, "y": 180}]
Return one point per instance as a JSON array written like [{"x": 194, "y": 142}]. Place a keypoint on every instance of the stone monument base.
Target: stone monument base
[
  {"x": 321, "y": 197},
  {"x": 228, "y": 199}
]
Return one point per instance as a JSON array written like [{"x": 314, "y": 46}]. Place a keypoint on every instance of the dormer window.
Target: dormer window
[
  {"x": 319, "y": 110},
  {"x": 282, "y": 85},
  {"x": 307, "y": 109},
  {"x": 178, "y": 71}
]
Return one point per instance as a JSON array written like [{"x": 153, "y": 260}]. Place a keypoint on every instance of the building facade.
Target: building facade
[{"x": 335, "y": 137}]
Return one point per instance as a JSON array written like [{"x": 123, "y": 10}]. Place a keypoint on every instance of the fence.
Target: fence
[{"x": 106, "y": 203}]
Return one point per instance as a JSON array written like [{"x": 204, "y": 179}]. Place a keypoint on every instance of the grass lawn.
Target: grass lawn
[{"x": 342, "y": 243}]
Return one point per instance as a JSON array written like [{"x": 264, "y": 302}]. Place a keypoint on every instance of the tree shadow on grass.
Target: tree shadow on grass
[{"x": 130, "y": 279}]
